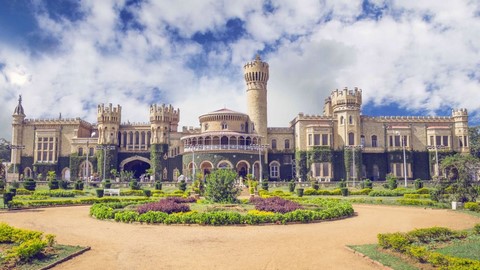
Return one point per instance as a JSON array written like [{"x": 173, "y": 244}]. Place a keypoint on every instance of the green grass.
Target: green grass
[
  {"x": 386, "y": 259},
  {"x": 469, "y": 249}
]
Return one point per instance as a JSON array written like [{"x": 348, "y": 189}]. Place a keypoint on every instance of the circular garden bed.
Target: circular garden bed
[{"x": 257, "y": 210}]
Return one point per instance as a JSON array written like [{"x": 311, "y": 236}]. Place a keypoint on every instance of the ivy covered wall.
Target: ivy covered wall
[
  {"x": 110, "y": 161},
  {"x": 157, "y": 153}
]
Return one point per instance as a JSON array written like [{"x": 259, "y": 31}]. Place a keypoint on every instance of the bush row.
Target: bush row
[
  {"x": 27, "y": 244},
  {"x": 405, "y": 201},
  {"x": 335, "y": 209},
  {"x": 311, "y": 191},
  {"x": 397, "y": 192},
  {"x": 416, "y": 196},
  {"x": 59, "y": 193},
  {"x": 90, "y": 200},
  {"x": 411, "y": 244},
  {"x": 472, "y": 206}
]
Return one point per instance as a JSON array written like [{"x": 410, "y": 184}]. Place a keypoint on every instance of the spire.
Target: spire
[{"x": 19, "y": 109}]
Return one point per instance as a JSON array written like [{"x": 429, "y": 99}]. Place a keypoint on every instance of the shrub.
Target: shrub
[
  {"x": 147, "y": 192},
  {"x": 415, "y": 202},
  {"x": 472, "y": 206},
  {"x": 13, "y": 190},
  {"x": 391, "y": 181},
  {"x": 53, "y": 184},
  {"x": 158, "y": 185},
  {"x": 134, "y": 185},
  {"x": 30, "y": 184},
  {"x": 315, "y": 185},
  {"x": 78, "y": 185},
  {"x": 7, "y": 198},
  {"x": 364, "y": 191},
  {"x": 182, "y": 185},
  {"x": 131, "y": 192},
  {"x": 107, "y": 183},
  {"x": 2, "y": 184},
  {"x": 418, "y": 184},
  {"x": 291, "y": 186},
  {"x": 344, "y": 191},
  {"x": 367, "y": 183},
  {"x": 265, "y": 185},
  {"x": 416, "y": 196},
  {"x": 342, "y": 184},
  {"x": 300, "y": 192},
  {"x": 275, "y": 204},
  {"x": 55, "y": 193},
  {"x": 99, "y": 192},
  {"x": 63, "y": 184},
  {"x": 168, "y": 205},
  {"x": 221, "y": 186},
  {"x": 15, "y": 184},
  {"x": 476, "y": 229},
  {"x": 422, "y": 190},
  {"x": 22, "y": 191}
]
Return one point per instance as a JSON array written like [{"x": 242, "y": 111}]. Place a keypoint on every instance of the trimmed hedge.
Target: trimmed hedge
[
  {"x": 311, "y": 191},
  {"x": 472, "y": 206},
  {"x": 405, "y": 201},
  {"x": 56, "y": 193},
  {"x": 327, "y": 209},
  {"x": 79, "y": 201}
]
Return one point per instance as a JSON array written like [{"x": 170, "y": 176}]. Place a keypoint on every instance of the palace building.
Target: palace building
[{"x": 341, "y": 143}]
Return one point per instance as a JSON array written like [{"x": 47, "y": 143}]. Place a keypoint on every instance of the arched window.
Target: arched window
[
  {"x": 242, "y": 127},
  {"x": 341, "y": 120},
  {"x": 176, "y": 173},
  {"x": 350, "y": 120},
  {"x": 165, "y": 174},
  {"x": 224, "y": 165},
  {"x": 351, "y": 138},
  {"x": 362, "y": 140},
  {"x": 224, "y": 125},
  {"x": 287, "y": 144},
  {"x": 374, "y": 141},
  {"x": 80, "y": 151},
  {"x": 274, "y": 144},
  {"x": 274, "y": 169},
  {"x": 376, "y": 172}
]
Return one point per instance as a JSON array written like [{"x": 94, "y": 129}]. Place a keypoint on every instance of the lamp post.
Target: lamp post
[
  {"x": 260, "y": 147},
  {"x": 404, "y": 157},
  {"x": 192, "y": 147},
  {"x": 105, "y": 148},
  {"x": 353, "y": 147},
  {"x": 436, "y": 147},
  {"x": 15, "y": 148}
]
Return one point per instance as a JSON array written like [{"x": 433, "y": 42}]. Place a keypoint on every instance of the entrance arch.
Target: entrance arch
[
  {"x": 242, "y": 168},
  {"x": 137, "y": 164},
  {"x": 206, "y": 167}
]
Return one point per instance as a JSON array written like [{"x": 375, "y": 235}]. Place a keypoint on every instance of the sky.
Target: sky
[{"x": 410, "y": 57}]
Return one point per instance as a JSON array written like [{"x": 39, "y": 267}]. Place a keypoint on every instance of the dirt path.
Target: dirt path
[{"x": 302, "y": 246}]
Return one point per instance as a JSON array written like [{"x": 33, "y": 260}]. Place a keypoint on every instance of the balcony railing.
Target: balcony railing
[{"x": 220, "y": 147}]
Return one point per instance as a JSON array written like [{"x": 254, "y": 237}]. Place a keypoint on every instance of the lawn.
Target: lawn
[{"x": 373, "y": 252}]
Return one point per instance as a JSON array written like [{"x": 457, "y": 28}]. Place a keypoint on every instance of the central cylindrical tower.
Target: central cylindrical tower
[{"x": 256, "y": 77}]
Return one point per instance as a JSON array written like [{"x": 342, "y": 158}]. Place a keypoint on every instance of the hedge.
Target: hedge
[
  {"x": 472, "y": 206},
  {"x": 311, "y": 191},
  {"x": 328, "y": 209},
  {"x": 90, "y": 200},
  {"x": 26, "y": 243},
  {"x": 416, "y": 202},
  {"x": 411, "y": 244}
]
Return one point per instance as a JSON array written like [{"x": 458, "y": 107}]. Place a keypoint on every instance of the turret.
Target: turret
[
  {"x": 163, "y": 119},
  {"x": 108, "y": 119},
  {"x": 256, "y": 77},
  {"x": 460, "y": 118},
  {"x": 345, "y": 105},
  {"x": 17, "y": 131}
]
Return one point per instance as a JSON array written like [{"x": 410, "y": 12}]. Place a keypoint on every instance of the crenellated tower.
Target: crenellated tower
[
  {"x": 17, "y": 132},
  {"x": 345, "y": 106},
  {"x": 460, "y": 118},
  {"x": 256, "y": 77},
  {"x": 163, "y": 120},
  {"x": 108, "y": 119}
]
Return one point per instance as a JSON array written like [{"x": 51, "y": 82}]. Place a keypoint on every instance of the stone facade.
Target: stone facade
[{"x": 339, "y": 144}]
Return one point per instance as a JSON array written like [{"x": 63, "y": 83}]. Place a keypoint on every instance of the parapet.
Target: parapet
[
  {"x": 62, "y": 121},
  {"x": 164, "y": 113},
  {"x": 459, "y": 112},
  {"x": 346, "y": 97},
  {"x": 109, "y": 113}
]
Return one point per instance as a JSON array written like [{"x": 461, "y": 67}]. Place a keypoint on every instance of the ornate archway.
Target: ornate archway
[{"x": 137, "y": 164}]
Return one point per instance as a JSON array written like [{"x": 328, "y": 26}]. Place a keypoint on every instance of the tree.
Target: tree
[
  {"x": 221, "y": 186},
  {"x": 461, "y": 173},
  {"x": 474, "y": 139},
  {"x": 4, "y": 149}
]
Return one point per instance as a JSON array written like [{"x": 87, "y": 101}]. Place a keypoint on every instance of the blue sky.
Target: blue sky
[{"x": 408, "y": 57}]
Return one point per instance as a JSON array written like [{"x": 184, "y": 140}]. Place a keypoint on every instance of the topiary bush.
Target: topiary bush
[
  {"x": 291, "y": 186},
  {"x": 107, "y": 183},
  {"x": 30, "y": 184},
  {"x": 221, "y": 186},
  {"x": 315, "y": 185},
  {"x": 64, "y": 184},
  {"x": 344, "y": 191},
  {"x": 300, "y": 192},
  {"x": 158, "y": 185},
  {"x": 7, "y": 198},
  {"x": 134, "y": 185},
  {"x": 147, "y": 192},
  {"x": 342, "y": 184},
  {"x": 367, "y": 183},
  {"x": 182, "y": 185},
  {"x": 418, "y": 183},
  {"x": 391, "y": 181},
  {"x": 13, "y": 190},
  {"x": 53, "y": 184},
  {"x": 99, "y": 192},
  {"x": 265, "y": 185},
  {"x": 78, "y": 185}
]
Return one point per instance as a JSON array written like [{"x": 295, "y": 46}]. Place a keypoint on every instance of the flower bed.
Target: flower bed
[{"x": 324, "y": 209}]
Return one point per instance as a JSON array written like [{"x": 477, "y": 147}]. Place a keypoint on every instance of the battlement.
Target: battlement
[
  {"x": 109, "y": 113},
  {"x": 459, "y": 112},
  {"x": 345, "y": 97},
  {"x": 280, "y": 130},
  {"x": 59, "y": 121},
  {"x": 256, "y": 71},
  {"x": 135, "y": 124},
  {"x": 302, "y": 116},
  {"x": 412, "y": 119},
  {"x": 164, "y": 113}
]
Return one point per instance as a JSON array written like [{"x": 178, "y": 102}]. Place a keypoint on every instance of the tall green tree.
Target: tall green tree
[
  {"x": 461, "y": 172},
  {"x": 221, "y": 186},
  {"x": 4, "y": 150},
  {"x": 474, "y": 139}
]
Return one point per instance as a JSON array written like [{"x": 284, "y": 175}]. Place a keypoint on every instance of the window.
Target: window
[
  {"x": 362, "y": 140},
  {"x": 321, "y": 169},
  {"x": 287, "y": 144},
  {"x": 287, "y": 159},
  {"x": 445, "y": 140},
  {"x": 350, "y": 120},
  {"x": 374, "y": 141},
  {"x": 324, "y": 139},
  {"x": 351, "y": 138},
  {"x": 310, "y": 139},
  {"x": 242, "y": 127},
  {"x": 316, "y": 139},
  {"x": 206, "y": 126},
  {"x": 224, "y": 125},
  {"x": 341, "y": 120},
  {"x": 398, "y": 170},
  {"x": 80, "y": 151},
  {"x": 165, "y": 174},
  {"x": 90, "y": 151},
  {"x": 274, "y": 144},
  {"x": 46, "y": 149},
  {"x": 274, "y": 169},
  {"x": 396, "y": 141},
  {"x": 176, "y": 173}
]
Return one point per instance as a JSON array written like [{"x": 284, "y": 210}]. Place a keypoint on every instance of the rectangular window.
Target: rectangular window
[
  {"x": 287, "y": 159},
  {"x": 320, "y": 169},
  {"x": 325, "y": 169},
  {"x": 438, "y": 140},
  {"x": 46, "y": 149},
  {"x": 466, "y": 141},
  {"x": 460, "y": 141},
  {"x": 391, "y": 141},
  {"x": 445, "y": 140},
  {"x": 324, "y": 139},
  {"x": 274, "y": 171},
  {"x": 316, "y": 139},
  {"x": 309, "y": 139},
  {"x": 397, "y": 141},
  {"x": 432, "y": 141}
]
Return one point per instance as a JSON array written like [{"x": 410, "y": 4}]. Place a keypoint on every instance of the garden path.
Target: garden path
[{"x": 300, "y": 246}]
